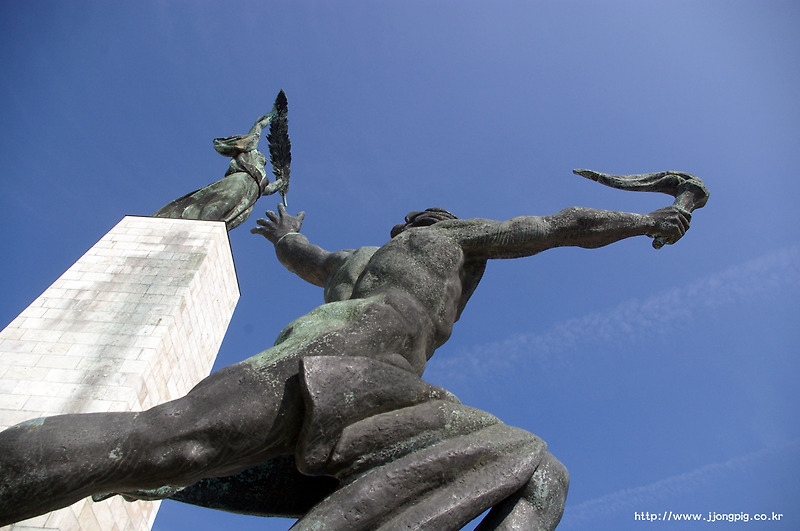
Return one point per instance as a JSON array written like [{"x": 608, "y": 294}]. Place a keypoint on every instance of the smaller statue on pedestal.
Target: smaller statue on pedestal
[{"x": 232, "y": 198}]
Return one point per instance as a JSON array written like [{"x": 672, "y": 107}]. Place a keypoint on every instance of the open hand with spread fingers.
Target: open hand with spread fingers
[{"x": 278, "y": 225}]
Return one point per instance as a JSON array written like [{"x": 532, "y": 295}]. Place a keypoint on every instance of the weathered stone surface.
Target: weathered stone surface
[{"x": 408, "y": 454}]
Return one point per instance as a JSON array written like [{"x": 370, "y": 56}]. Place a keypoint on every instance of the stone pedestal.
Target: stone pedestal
[{"x": 135, "y": 322}]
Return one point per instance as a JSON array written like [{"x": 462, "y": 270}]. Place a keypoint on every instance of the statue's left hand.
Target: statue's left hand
[{"x": 278, "y": 225}]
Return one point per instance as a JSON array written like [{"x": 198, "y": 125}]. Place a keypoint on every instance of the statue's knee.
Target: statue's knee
[
  {"x": 170, "y": 445},
  {"x": 194, "y": 457},
  {"x": 538, "y": 506},
  {"x": 547, "y": 489},
  {"x": 554, "y": 473},
  {"x": 177, "y": 462}
]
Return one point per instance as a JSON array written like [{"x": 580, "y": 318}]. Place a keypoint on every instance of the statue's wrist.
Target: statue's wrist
[
  {"x": 285, "y": 235},
  {"x": 650, "y": 224}
]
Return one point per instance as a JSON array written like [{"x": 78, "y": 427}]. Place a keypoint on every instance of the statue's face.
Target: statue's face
[{"x": 422, "y": 219}]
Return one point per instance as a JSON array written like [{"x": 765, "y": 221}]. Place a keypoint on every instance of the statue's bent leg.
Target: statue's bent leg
[{"x": 236, "y": 418}]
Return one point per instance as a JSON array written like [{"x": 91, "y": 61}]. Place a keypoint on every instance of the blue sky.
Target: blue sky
[{"x": 664, "y": 380}]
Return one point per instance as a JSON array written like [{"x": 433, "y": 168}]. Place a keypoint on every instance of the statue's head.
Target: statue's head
[
  {"x": 422, "y": 219},
  {"x": 231, "y": 146}
]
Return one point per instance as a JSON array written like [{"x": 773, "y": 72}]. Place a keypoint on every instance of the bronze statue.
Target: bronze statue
[
  {"x": 232, "y": 198},
  {"x": 339, "y": 396}
]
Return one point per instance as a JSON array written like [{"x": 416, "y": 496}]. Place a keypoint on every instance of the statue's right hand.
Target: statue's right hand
[
  {"x": 669, "y": 225},
  {"x": 275, "y": 226}
]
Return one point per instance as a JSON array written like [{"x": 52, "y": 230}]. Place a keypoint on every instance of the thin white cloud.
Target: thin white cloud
[{"x": 652, "y": 497}]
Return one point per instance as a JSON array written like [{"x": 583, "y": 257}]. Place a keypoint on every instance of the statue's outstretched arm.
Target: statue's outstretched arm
[
  {"x": 591, "y": 228},
  {"x": 574, "y": 226},
  {"x": 587, "y": 227},
  {"x": 308, "y": 261}
]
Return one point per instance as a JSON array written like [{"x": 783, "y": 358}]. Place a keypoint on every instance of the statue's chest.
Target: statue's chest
[{"x": 410, "y": 262}]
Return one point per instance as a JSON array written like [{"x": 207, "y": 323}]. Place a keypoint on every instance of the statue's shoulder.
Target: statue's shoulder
[
  {"x": 465, "y": 224},
  {"x": 361, "y": 254},
  {"x": 461, "y": 230}
]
